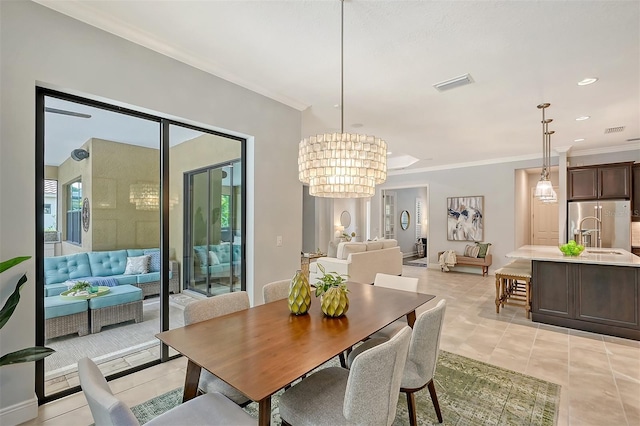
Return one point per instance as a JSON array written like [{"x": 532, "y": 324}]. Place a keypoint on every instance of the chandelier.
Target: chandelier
[
  {"x": 342, "y": 165},
  {"x": 146, "y": 196},
  {"x": 544, "y": 188}
]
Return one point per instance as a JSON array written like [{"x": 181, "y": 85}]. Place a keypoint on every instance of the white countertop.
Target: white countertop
[{"x": 594, "y": 256}]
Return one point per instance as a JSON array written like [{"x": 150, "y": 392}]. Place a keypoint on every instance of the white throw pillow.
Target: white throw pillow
[
  {"x": 213, "y": 258},
  {"x": 137, "y": 265},
  {"x": 471, "y": 251},
  {"x": 374, "y": 245}
]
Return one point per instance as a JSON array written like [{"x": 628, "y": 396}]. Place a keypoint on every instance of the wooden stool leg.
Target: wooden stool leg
[{"x": 497, "y": 294}]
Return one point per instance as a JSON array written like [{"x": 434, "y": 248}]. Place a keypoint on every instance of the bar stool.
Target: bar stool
[{"x": 513, "y": 285}]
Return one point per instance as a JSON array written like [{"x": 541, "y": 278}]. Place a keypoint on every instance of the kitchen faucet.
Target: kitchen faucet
[{"x": 598, "y": 229}]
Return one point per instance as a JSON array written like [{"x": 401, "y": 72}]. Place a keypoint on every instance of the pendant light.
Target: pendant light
[
  {"x": 544, "y": 188},
  {"x": 342, "y": 165}
]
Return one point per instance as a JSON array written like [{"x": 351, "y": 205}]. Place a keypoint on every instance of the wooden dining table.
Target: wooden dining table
[{"x": 260, "y": 350}]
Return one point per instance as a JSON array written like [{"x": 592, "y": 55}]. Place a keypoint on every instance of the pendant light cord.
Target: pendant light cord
[{"x": 341, "y": 66}]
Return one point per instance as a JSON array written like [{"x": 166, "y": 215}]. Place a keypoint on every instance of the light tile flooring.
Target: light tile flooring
[{"x": 600, "y": 375}]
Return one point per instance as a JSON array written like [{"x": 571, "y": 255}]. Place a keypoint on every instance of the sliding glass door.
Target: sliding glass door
[
  {"x": 214, "y": 213},
  {"x": 117, "y": 178}
]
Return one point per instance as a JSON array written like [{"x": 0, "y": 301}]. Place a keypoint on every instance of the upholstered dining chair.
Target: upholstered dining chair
[
  {"x": 107, "y": 410},
  {"x": 212, "y": 307},
  {"x": 365, "y": 395},
  {"x": 276, "y": 290},
  {"x": 397, "y": 283},
  {"x": 422, "y": 357}
]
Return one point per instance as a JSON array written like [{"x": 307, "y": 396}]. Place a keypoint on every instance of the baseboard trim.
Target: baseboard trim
[{"x": 20, "y": 412}]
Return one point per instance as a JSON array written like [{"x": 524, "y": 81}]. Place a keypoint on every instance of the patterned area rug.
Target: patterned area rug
[
  {"x": 470, "y": 393},
  {"x": 422, "y": 262}
]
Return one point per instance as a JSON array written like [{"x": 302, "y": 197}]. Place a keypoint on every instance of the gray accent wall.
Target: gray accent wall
[{"x": 39, "y": 46}]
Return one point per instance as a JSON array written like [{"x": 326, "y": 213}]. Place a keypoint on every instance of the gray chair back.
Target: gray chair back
[
  {"x": 276, "y": 290},
  {"x": 424, "y": 348},
  {"x": 373, "y": 386},
  {"x": 107, "y": 410},
  {"x": 216, "y": 306}
]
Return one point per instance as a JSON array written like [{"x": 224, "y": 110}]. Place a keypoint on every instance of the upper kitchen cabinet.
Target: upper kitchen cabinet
[
  {"x": 635, "y": 198},
  {"x": 601, "y": 182}
]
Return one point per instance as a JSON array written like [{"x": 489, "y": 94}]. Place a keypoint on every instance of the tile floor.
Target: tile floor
[{"x": 600, "y": 375}]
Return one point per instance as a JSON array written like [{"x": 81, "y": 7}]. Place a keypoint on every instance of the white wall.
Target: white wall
[
  {"x": 38, "y": 45},
  {"x": 406, "y": 200},
  {"x": 496, "y": 182}
]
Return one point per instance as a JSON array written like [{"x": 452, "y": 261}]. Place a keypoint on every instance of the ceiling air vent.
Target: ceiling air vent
[
  {"x": 462, "y": 80},
  {"x": 613, "y": 129}
]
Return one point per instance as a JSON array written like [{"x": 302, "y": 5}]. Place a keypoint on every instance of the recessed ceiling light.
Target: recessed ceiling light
[
  {"x": 587, "y": 81},
  {"x": 389, "y": 153},
  {"x": 584, "y": 117},
  {"x": 578, "y": 140}
]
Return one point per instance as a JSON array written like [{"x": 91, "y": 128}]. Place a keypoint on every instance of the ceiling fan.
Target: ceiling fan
[{"x": 66, "y": 112}]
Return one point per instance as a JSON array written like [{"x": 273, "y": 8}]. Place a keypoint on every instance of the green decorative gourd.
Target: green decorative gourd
[
  {"x": 335, "y": 302},
  {"x": 332, "y": 289},
  {"x": 299, "y": 294}
]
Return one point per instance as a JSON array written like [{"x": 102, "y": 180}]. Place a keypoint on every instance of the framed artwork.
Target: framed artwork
[
  {"x": 85, "y": 215},
  {"x": 465, "y": 218}
]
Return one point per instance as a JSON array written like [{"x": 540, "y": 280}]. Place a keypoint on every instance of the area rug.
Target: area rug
[
  {"x": 114, "y": 341},
  {"x": 470, "y": 393},
  {"x": 422, "y": 262}
]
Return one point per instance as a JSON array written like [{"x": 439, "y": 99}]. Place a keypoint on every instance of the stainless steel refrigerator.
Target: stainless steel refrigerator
[{"x": 611, "y": 230}]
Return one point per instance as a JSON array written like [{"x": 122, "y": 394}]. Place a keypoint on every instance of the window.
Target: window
[
  {"x": 74, "y": 212},
  {"x": 50, "y": 204}
]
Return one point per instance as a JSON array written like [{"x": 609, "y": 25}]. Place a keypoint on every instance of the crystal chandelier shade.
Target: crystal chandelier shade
[
  {"x": 342, "y": 165},
  {"x": 146, "y": 196}
]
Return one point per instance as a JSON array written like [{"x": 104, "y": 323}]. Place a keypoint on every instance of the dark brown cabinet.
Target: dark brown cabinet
[
  {"x": 635, "y": 197},
  {"x": 606, "y": 181},
  {"x": 599, "y": 298}
]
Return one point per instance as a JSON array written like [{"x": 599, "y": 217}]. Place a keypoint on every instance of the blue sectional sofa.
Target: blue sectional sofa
[
  {"x": 218, "y": 266},
  {"x": 107, "y": 264}
]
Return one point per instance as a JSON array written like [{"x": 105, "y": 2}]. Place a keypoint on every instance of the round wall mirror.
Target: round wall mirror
[
  {"x": 345, "y": 219},
  {"x": 404, "y": 220}
]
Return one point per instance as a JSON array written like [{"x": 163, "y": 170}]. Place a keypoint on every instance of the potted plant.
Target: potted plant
[
  {"x": 79, "y": 288},
  {"x": 332, "y": 289},
  {"x": 24, "y": 355}
]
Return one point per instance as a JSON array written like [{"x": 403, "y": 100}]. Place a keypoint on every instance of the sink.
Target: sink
[{"x": 603, "y": 252}]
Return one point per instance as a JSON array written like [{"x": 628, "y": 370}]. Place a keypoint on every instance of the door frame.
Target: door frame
[{"x": 165, "y": 123}]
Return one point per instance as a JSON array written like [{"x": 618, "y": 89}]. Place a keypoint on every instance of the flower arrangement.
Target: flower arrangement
[
  {"x": 348, "y": 237},
  {"x": 329, "y": 280},
  {"x": 332, "y": 289}
]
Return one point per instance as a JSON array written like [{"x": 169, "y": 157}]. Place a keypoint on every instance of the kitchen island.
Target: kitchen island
[{"x": 598, "y": 291}]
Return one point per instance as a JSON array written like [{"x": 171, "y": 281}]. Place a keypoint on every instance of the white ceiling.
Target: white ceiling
[{"x": 520, "y": 54}]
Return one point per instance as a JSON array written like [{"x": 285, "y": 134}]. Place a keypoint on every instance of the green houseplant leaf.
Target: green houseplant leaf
[
  {"x": 328, "y": 280},
  {"x": 34, "y": 353}
]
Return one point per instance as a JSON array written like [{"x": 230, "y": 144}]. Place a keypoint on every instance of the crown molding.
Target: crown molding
[
  {"x": 619, "y": 148},
  {"x": 84, "y": 12},
  {"x": 596, "y": 151}
]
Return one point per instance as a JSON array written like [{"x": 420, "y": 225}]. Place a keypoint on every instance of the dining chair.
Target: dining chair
[
  {"x": 108, "y": 410},
  {"x": 276, "y": 290},
  {"x": 365, "y": 395},
  {"x": 422, "y": 357},
  {"x": 397, "y": 283},
  {"x": 213, "y": 307}
]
